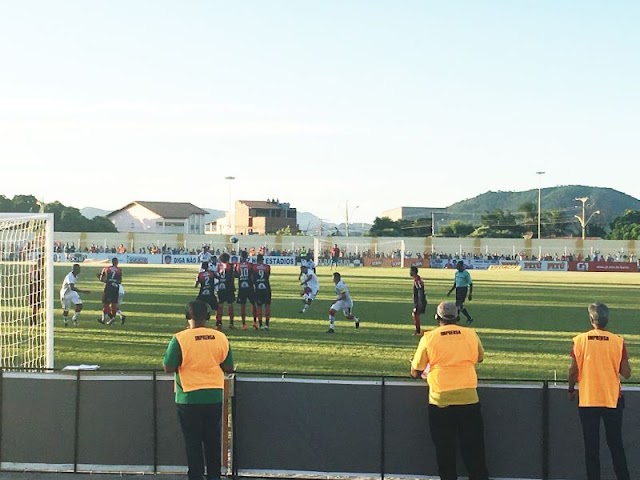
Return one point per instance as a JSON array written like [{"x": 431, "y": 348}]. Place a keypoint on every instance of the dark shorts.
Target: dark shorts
[
  {"x": 461, "y": 295},
  {"x": 419, "y": 310},
  {"x": 110, "y": 294},
  {"x": 226, "y": 296},
  {"x": 263, "y": 297},
  {"x": 245, "y": 294},
  {"x": 210, "y": 300}
]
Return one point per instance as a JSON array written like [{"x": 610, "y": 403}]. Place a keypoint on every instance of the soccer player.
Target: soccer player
[
  {"x": 310, "y": 287},
  {"x": 342, "y": 302},
  {"x": 335, "y": 256},
  {"x": 206, "y": 256},
  {"x": 245, "y": 289},
  {"x": 111, "y": 276},
  {"x": 226, "y": 289},
  {"x": 309, "y": 263},
  {"x": 70, "y": 295},
  {"x": 462, "y": 284},
  {"x": 119, "y": 313},
  {"x": 262, "y": 287},
  {"x": 419, "y": 299},
  {"x": 205, "y": 281}
]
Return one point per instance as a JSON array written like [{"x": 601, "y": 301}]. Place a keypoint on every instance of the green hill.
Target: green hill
[{"x": 611, "y": 203}]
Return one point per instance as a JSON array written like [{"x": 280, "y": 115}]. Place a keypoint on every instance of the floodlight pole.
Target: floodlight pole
[
  {"x": 581, "y": 219},
  {"x": 539, "y": 199},
  {"x": 231, "y": 225}
]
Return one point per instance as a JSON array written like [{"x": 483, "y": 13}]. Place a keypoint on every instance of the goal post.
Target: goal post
[
  {"x": 26, "y": 291},
  {"x": 369, "y": 250}
]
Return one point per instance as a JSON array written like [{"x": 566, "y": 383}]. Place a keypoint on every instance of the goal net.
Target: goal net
[
  {"x": 26, "y": 286},
  {"x": 353, "y": 251}
]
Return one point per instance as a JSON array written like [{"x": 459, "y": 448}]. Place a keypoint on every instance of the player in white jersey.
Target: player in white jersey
[
  {"x": 342, "y": 302},
  {"x": 206, "y": 256},
  {"x": 309, "y": 263},
  {"x": 70, "y": 295},
  {"x": 310, "y": 287}
]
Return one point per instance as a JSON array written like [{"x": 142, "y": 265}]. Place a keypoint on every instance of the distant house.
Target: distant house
[
  {"x": 159, "y": 217},
  {"x": 252, "y": 217}
]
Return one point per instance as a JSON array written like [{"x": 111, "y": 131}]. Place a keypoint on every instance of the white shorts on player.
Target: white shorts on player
[
  {"x": 310, "y": 292},
  {"x": 343, "y": 305},
  {"x": 70, "y": 299}
]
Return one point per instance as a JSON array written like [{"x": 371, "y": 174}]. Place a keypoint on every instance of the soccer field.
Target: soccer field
[{"x": 525, "y": 320}]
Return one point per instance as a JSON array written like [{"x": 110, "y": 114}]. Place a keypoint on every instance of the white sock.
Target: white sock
[{"x": 75, "y": 316}]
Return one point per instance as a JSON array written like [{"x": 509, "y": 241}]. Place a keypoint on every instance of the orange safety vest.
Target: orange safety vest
[
  {"x": 453, "y": 354},
  {"x": 203, "y": 350},
  {"x": 598, "y": 354}
]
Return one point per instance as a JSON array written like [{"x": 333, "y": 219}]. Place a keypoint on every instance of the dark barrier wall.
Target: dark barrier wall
[
  {"x": 127, "y": 422},
  {"x": 308, "y": 426}
]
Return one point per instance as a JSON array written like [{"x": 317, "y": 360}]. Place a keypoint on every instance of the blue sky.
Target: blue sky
[{"x": 324, "y": 104}]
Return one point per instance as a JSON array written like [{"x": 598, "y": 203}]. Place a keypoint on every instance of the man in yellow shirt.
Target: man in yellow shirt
[
  {"x": 200, "y": 356},
  {"x": 598, "y": 358},
  {"x": 447, "y": 356}
]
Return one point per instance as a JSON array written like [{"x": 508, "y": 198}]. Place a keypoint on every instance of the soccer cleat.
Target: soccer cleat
[
  {"x": 231, "y": 325},
  {"x": 123, "y": 319},
  {"x": 75, "y": 323},
  {"x": 331, "y": 330},
  {"x": 219, "y": 326},
  {"x": 100, "y": 320},
  {"x": 255, "y": 325},
  {"x": 244, "y": 326},
  {"x": 417, "y": 333},
  {"x": 357, "y": 320},
  {"x": 469, "y": 321},
  {"x": 65, "y": 322},
  {"x": 266, "y": 327}
]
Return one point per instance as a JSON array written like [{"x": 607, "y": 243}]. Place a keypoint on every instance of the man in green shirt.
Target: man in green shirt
[{"x": 200, "y": 356}]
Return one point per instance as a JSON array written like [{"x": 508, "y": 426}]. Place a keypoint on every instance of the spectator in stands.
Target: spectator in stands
[
  {"x": 200, "y": 356},
  {"x": 598, "y": 358},
  {"x": 446, "y": 357}
]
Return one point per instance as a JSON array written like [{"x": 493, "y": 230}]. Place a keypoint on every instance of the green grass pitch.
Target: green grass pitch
[{"x": 525, "y": 320}]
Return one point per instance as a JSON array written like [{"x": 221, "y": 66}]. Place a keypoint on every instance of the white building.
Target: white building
[{"x": 159, "y": 217}]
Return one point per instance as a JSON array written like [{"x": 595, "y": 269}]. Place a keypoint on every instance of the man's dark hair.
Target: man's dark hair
[
  {"x": 413, "y": 269},
  {"x": 260, "y": 258},
  {"x": 599, "y": 314},
  {"x": 198, "y": 311},
  {"x": 205, "y": 266},
  {"x": 224, "y": 258},
  {"x": 244, "y": 254}
]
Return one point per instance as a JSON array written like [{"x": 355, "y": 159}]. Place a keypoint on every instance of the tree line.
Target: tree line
[
  {"x": 500, "y": 223},
  {"x": 66, "y": 219}
]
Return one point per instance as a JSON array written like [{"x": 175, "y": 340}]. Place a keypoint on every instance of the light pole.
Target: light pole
[
  {"x": 581, "y": 219},
  {"x": 539, "y": 198},
  {"x": 346, "y": 228},
  {"x": 231, "y": 226}
]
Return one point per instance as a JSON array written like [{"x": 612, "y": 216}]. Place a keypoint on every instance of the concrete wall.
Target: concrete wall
[{"x": 478, "y": 246}]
